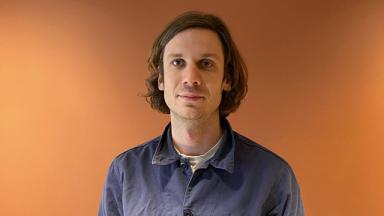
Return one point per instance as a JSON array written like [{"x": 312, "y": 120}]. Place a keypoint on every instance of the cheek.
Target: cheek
[{"x": 170, "y": 81}]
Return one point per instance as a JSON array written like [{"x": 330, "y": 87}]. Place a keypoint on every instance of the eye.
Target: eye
[
  {"x": 206, "y": 63},
  {"x": 178, "y": 62}
]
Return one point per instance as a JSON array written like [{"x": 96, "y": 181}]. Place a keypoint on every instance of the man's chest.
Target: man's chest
[{"x": 207, "y": 192}]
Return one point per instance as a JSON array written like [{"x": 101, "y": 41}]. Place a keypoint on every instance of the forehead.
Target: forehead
[{"x": 197, "y": 41}]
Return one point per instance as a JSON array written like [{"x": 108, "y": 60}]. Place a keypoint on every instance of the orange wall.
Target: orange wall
[{"x": 71, "y": 73}]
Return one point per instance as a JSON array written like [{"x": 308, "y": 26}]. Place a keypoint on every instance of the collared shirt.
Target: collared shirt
[
  {"x": 242, "y": 178},
  {"x": 197, "y": 161}
]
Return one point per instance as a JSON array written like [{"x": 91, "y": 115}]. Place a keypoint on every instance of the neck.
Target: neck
[{"x": 195, "y": 137}]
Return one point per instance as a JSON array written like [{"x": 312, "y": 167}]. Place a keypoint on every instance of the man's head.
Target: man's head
[{"x": 234, "y": 77}]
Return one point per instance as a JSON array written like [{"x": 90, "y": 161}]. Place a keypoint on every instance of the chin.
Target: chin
[{"x": 189, "y": 115}]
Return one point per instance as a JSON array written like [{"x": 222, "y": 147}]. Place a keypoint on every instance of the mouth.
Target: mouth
[{"x": 191, "y": 97}]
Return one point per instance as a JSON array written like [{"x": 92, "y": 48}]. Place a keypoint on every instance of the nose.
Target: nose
[{"x": 192, "y": 76}]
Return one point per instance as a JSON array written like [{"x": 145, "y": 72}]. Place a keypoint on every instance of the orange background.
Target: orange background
[{"x": 71, "y": 73}]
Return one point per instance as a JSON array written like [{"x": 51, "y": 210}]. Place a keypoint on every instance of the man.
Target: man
[{"x": 199, "y": 165}]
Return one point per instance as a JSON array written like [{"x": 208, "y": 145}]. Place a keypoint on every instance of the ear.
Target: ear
[
  {"x": 160, "y": 83},
  {"x": 226, "y": 85}
]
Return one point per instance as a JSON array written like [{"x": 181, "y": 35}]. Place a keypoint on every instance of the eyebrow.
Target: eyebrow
[{"x": 175, "y": 55}]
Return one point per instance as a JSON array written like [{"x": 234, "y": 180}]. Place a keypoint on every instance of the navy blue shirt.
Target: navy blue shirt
[{"x": 242, "y": 178}]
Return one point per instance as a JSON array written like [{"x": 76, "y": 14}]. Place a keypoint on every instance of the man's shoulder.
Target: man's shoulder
[
  {"x": 257, "y": 154},
  {"x": 139, "y": 152}
]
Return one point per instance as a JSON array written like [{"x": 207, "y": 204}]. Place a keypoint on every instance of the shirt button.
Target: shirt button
[{"x": 188, "y": 213}]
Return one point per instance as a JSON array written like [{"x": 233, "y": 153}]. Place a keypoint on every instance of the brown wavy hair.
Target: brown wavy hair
[{"x": 235, "y": 70}]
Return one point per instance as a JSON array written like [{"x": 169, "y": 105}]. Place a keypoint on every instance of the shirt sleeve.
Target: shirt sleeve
[
  {"x": 111, "y": 200},
  {"x": 287, "y": 196}
]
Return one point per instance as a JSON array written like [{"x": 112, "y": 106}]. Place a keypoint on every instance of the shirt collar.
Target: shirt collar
[
  {"x": 165, "y": 152},
  {"x": 223, "y": 159},
  {"x": 225, "y": 155}
]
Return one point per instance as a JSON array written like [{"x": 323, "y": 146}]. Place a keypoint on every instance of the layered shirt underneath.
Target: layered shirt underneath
[
  {"x": 197, "y": 161},
  {"x": 240, "y": 177}
]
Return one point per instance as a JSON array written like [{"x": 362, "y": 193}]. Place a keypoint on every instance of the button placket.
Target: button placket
[
  {"x": 187, "y": 212},
  {"x": 187, "y": 194}
]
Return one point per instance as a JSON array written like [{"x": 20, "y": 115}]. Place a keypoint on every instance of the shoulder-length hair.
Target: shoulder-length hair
[{"x": 235, "y": 70}]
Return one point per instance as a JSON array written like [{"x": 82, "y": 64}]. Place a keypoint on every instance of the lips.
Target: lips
[{"x": 191, "y": 97}]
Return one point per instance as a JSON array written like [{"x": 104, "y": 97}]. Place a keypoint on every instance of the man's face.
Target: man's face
[{"x": 193, "y": 65}]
